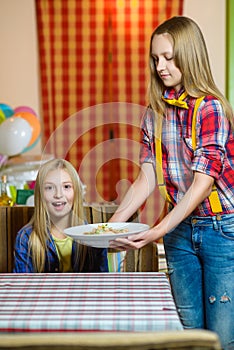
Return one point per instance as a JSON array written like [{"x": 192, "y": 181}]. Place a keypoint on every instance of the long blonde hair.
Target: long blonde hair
[
  {"x": 41, "y": 219},
  {"x": 191, "y": 57}
]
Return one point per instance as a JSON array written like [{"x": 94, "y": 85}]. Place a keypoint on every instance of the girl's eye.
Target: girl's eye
[
  {"x": 166, "y": 58},
  {"x": 49, "y": 188},
  {"x": 67, "y": 186}
]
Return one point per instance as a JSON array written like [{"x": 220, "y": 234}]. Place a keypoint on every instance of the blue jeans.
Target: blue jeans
[{"x": 200, "y": 258}]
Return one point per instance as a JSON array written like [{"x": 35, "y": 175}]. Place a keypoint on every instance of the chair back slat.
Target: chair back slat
[
  {"x": 17, "y": 217},
  {"x": 96, "y": 214},
  {"x": 3, "y": 239},
  {"x": 88, "y": 214}
]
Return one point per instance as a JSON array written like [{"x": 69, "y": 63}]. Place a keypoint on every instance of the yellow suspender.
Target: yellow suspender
[
  {"x": 213, "y": 198},
  {"x": 159, "y": 170}
]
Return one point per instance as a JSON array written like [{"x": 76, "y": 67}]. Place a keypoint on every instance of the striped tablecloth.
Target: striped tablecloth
[{"x": 87, "y": 302}]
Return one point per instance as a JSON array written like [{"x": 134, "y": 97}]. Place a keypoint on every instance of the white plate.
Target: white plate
[{"x": 102, "y": 240}]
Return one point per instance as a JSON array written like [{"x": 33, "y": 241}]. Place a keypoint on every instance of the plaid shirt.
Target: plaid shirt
[
  {"x": 214, "y": 154},
  {"x": 96, "y": 259}
]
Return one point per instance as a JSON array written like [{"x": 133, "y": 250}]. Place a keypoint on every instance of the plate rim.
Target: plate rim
[{"x": 83, "y": 237}]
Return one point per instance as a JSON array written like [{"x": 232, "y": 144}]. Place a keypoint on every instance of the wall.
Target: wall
[
  {"x": 18, "y": 47},
  {"x": 230, "y": 51},
  {"x": 211, "y": 17},
  {"x": 19, "y": 82}
]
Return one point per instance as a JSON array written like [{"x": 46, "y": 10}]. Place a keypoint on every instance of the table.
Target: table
[{"x": 133, "y": 302}]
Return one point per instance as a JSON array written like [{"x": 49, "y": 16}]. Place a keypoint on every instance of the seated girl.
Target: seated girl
[{"x": 41, "y": 245}]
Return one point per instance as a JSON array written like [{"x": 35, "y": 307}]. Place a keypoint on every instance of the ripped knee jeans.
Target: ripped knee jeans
[{"x": 200, "y": 258}]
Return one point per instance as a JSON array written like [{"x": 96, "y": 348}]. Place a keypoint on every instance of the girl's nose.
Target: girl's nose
[
  {"x": 160, "y": 66},
  {"x": 58, "y": 193}
]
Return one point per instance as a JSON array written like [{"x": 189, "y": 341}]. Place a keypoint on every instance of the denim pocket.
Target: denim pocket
[{"x": 227, "y": 230}]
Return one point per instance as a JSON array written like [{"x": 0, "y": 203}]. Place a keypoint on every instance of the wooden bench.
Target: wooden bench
[
  {"x": 12, "y": 219},
  {"x": 192, "y": 339}
]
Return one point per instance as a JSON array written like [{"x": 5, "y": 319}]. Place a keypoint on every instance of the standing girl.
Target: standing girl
[
  {"x": 187, "y": 142},
  {"x": 41, "y": 245}
]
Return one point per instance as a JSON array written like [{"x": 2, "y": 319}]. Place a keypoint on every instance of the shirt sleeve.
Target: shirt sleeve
[
  {"x": 22, "y": 258},
  {"x": 147, "y": 150},
  {"x": 101, "y": 263},
  {"x": 95, "y": 261},
  {"x": 211, "y": 136}
]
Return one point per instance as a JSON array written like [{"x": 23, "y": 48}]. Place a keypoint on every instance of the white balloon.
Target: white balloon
[{"x": 15, "y": 134}]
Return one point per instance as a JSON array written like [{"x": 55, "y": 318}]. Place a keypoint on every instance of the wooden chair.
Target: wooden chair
[
  {"x": 14, "y": 218},
  {"x": 166, "y": 340}
]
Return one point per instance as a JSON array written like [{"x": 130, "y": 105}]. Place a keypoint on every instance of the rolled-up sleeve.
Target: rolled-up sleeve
[
  {"x": 147, "y": 150},
  {"x": 211, "y": 137}
]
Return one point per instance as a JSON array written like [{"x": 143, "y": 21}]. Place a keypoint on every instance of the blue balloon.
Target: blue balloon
[{"x": 7, "y": 110}]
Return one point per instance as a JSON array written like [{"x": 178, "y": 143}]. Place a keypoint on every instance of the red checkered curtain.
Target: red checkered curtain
[{"x": 94, "y": 74}]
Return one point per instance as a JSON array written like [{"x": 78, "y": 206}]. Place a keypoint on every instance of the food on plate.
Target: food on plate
[{"x": 105, "y": 228}]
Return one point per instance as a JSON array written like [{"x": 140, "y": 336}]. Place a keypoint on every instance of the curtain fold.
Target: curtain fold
[{"x": 94, "y": 74}]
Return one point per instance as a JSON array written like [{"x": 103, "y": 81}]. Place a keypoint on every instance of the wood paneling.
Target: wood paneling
[{"x": 14, "y": 218}]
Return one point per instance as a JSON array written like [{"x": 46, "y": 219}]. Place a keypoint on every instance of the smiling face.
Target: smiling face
[
  {"x": 163, "y": 56},
  {"x": 58, "y": 193}
]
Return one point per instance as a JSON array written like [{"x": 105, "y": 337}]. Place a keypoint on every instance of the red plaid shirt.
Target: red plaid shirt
[{"x": 214, "y": 154}]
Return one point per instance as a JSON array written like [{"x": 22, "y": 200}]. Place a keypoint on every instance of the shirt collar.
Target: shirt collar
[{"x": 172, "y": 93}]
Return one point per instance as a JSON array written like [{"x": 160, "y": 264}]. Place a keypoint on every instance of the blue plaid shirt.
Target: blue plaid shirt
[
  {"x": 96, "y": 259},
  {"x": 214, "y": 154}
]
